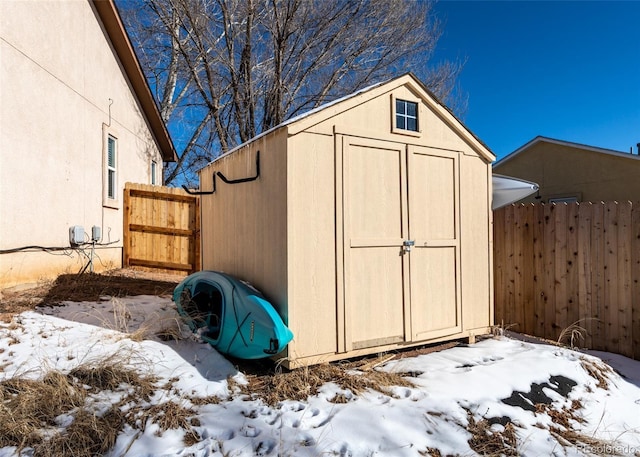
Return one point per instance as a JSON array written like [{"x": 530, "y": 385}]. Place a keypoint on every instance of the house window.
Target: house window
[
  {"x": 563, "y": 200},
  {"x": 111, "y": 168},
  {"x": 406, "y": 115},
  {"x": 154, "y": 166}
]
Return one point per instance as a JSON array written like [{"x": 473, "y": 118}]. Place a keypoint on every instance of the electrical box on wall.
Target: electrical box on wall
[
  {"x": 76, "y": 235},
  {"x": 96, "y": 233}
]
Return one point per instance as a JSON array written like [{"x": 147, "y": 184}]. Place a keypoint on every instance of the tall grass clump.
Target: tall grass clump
[{"x": 53, "y": 417}]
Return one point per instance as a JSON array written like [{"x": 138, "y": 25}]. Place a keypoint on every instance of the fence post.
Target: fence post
[
  {"x": 126, "y": 221},
  {"x": 585, "y": 263},
  {"x": 624, "y": 303},
  {"x": 635, "y": 279}
]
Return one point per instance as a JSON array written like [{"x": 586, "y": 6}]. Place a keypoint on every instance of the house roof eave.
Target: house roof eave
[
  {"x": 108, "y": 13},
  {"x": 543, "y": 139}
]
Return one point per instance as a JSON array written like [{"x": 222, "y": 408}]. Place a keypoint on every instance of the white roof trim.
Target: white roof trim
[
  {"x": 415, "y": 84},
  {"x": 542, "y": 139},
  {"x": 295, "y": 119}
]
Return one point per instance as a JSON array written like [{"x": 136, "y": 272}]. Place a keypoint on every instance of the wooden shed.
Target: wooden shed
[{"x": 368, "y": 225}]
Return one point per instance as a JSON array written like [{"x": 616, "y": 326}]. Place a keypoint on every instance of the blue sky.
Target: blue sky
[{"x": 568, "y": 70}]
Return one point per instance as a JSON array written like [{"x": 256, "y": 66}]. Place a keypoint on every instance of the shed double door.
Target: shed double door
[{"x": 401, "y": 270}]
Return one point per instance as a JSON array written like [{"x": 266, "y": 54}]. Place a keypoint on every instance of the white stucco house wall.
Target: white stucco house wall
[{"x": 77, "y": 121}]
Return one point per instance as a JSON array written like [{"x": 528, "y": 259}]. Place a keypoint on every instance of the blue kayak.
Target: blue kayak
[{"x": 231, "y": 316}]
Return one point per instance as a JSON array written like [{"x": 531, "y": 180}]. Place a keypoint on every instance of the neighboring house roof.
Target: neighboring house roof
[
  {"x": 334, "y": 107},
  {"x": 542, "y": 139},
  {"x": 108, "y": 13}
]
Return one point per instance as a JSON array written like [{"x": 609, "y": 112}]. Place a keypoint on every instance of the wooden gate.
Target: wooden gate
[{"x": 161, "y": 228}]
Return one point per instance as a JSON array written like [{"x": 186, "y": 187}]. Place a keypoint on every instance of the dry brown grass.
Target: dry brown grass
[
  {"x": 170, "y": 416},
  {"x": 88, "y": 435},
  {"x": 486, "y": 441},
  {"x": 92, "y": 286},
  {"x": 112, "y": 377},
  {"x": 566, "y": 418},
  {"x": 597, "y": 370},
  {"x": 494, "y": 442},
  {"x": 305, "y": 382},
  {"x": 85, "y": 287},
  {"x": 17, "y": 300},
  {"x": 30, "y": 409},
  {"x": 28, "y": 406},
  {"x": 167, "y": 416},
  {"x": 489, "y": 442},
  {"x": 564, "y": 429},
  {"x": 200, "y": 401},
  {"x": 164, "y": 329}
]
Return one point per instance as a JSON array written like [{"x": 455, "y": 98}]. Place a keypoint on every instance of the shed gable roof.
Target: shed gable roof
[
  {"x": 303, "y": 121},
  {"x": 328, "y": 110},
  {"x": 110, "y": 18},
  {"x": 524, "y": 149}
]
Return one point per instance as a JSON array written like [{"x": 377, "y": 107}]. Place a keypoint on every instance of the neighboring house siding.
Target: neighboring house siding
[
  {"x": 565, "y": 170},
  {"x": 63, "y": 93}
]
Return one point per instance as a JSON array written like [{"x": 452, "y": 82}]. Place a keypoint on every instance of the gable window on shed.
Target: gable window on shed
[
  {"x": 406, "y": 115},
  {"x": 111, "y": 168}
]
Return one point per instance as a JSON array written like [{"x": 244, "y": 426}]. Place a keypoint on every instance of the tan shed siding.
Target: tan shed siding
[
  {"x": 325, "y": 231},
  {"x": 244, "y": 226},
  {"x": 311, "y": 244},
  {"x": 374, "y": 119},
  {"x": 476, "y": 256}
]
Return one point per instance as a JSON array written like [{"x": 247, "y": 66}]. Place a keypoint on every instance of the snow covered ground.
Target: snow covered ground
[{"x": 532, "y": 399}]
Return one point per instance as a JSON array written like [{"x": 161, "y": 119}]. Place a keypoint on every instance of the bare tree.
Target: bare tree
[{"x": 226, "y": 70}]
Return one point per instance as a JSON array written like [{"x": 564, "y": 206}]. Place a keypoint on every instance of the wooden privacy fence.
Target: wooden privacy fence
[
  {"x": 560, "y": 264},
  {"x": 161, "y": 228}
]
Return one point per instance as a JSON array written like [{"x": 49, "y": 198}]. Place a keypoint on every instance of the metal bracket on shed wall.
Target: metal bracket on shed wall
[{"x": 227, "y": 180}]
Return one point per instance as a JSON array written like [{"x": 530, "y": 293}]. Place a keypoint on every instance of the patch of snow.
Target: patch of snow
[{"x": 452, "y": 387}]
